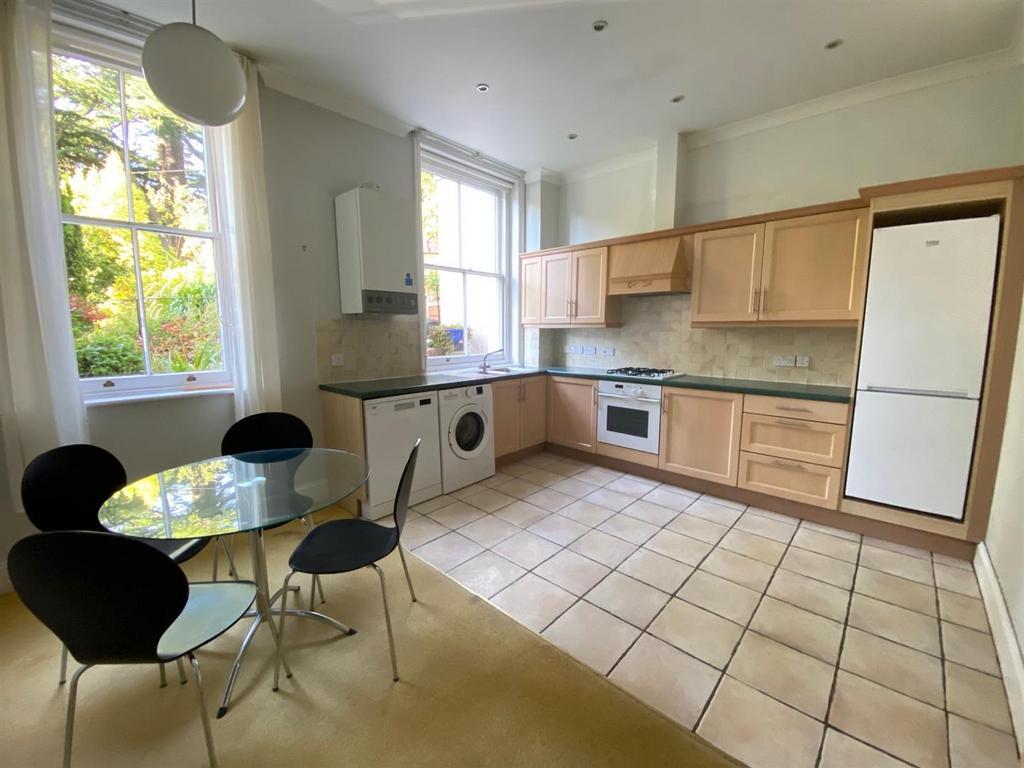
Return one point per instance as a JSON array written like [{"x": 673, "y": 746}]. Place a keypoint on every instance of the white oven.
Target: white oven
[{"x": 629, "y": 415}]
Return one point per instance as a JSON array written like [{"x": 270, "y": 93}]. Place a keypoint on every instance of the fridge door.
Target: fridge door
[
  {"x": 912, "y": 452},
  {"x": 929, "y": 302}
]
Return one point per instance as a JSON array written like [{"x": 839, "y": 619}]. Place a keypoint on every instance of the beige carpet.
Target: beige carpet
[{"x": 477, "y": 689}]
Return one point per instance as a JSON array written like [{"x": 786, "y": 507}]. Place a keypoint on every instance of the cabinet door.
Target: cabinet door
[
  {"x": 700, "y": 433},
  {"x": 507, "y": 416},
  {"x": 810, "y": 441},
  {"x": 572, "y": 413},
  {"x": 814, "y": 267},
  {"x": 807, "y": 483},
  {"x": 533, "y": 416},
  {"x": 727, "y": 274},
  {"x": 556, "y": 284},
  {"x": 589, "y": 285},
  {"x": 530, "y": 290}
]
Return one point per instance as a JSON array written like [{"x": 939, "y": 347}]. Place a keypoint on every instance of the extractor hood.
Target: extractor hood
[{"x": 659, "y": 265}]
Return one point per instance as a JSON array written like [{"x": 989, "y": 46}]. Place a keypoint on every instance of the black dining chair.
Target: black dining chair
[
  {"x": 63, "y": 490},
  {"x": 341, "y": 546},
  {"x": 73, "y": 581}
]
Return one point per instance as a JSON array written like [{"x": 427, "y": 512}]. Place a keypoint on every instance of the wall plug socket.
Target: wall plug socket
[
  {"x": 338, "y": 360},
  {"x": 784, "y": 361},
  {"x": 803, "y": 361}
]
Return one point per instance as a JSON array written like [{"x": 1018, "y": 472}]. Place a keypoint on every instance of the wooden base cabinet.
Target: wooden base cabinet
[
  {"x": 795, "y": 480},
  {"x": 572, "y": 413},
  {"x": 794, "y": 439},
  {"x": 700, "y": 434},
  {"x": 519, "y": 414}
]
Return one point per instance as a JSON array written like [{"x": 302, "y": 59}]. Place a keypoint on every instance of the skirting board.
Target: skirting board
[{"x": 1007, "y": 647}]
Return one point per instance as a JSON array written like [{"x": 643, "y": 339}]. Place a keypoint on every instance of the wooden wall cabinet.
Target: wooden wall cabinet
[
  {"x": 519, "y": 414},
  {"x": 700, "y": 434},
  {"x": 572, "y": 413},
  {"x": 566, "y": 288},
  {"x": 530, "y": 282},
  {"x": 727, "y": 274},
  {"x": 556, "y": 288}
]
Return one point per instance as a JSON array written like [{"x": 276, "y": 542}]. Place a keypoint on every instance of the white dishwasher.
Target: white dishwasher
[{"x": 392, "y": 426}]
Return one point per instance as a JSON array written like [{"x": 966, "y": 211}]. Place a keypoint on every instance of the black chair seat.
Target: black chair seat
[
  {"x": 180, "y": 551},
  {"x": 339, "y": 546}
]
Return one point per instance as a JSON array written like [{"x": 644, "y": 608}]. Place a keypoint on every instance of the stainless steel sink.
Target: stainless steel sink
[{"x": 497, "y": 371}]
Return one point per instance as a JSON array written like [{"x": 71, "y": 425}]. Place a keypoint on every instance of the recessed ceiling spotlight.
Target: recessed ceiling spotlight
[
  {"x": 483, "y": 87},
  {"x": 573, "y": 136},
  {"x": 600, "y": 25},
  {"x": 831, "y": 45},
  {"x": 677, "y": 99}
]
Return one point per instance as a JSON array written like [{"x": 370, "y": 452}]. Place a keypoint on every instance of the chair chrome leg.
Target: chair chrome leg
[
  {"x": 69, "y": 726},
  {"x": 181, "y": 672},
  {"x": 63, "y": 665},
  {"x": 280, "y": 627},
  {"x": 203, "y": 714},
  {"x": 408, "y": 580},
  {"x": 320, "y": 586},
  {"x": 216, "y": 558},
  {"x": 387, "y": 618},
  {"x": 163, "y": 677}
]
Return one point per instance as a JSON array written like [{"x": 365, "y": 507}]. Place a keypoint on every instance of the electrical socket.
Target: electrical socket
[
  {"x": 574, "y": 349},
  {"x": 803, "y": 361},
  {"x": 607, "y": 351},
  {"x": 338, "y": 360},
  {"x": 589, "y": 350},
  {"x": 784, "y": 361}
]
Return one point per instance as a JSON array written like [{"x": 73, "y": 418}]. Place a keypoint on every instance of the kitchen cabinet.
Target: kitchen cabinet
[
  {"x": 794, "y": 480},
  {"x": 727, "y": 274},
  {"x": 530, "y": 271},
  {"x": 700, "y": 433},
  {"x": 797, "y": 439},
  {"x": 650, "y": 266},
  {"x": 566, "y": 288},
  {"x": 555, "y": 288},
  {"x": 572, "y": 413},
  {"x": 589, "y": 285},
  {"x": 519, "y": 414}
]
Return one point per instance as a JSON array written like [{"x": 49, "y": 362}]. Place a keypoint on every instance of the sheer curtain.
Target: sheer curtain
[
  {"x": 40, "y": 402},
  {"x": 236, "y": 157}
]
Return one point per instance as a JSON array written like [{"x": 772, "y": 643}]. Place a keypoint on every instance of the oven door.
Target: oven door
[{"x": 629, "y": 422}]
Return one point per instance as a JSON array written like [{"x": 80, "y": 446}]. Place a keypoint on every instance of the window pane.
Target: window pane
[
  {"x": 103, "y": 298},
  {"x": 439, "y": 204},
  {"x": 167, "y": 157},
  {"x": 484, "y": 302},
  {"x": 179, "y": 286},
  {"x": 479, "y": 230},
  {"x": 445, "y": 315},
  {"x": 87, "y": 119}
]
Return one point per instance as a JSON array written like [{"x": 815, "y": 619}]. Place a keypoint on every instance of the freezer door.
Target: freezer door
[
  {"x": 912, "y": 452},
  {"x": 926, "y": 319}
]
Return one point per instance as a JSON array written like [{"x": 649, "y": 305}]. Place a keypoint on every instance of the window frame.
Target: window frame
[{"x": 105, "y": 389}]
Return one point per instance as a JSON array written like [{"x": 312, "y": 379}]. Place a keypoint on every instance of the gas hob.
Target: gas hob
[{"x": 646, "y": 373}]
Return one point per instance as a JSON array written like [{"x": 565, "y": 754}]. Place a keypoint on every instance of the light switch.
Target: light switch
[
  {"x": 337, "y": 360},
  {"x": 589, "y": 350},
  {"x": 607, "y": 351}
]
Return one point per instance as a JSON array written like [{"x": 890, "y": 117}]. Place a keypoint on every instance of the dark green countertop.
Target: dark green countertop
[{"x": 407, "y": 385}]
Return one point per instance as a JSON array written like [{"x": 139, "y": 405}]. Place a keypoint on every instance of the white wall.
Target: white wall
[{"x": 614, "y": 199}]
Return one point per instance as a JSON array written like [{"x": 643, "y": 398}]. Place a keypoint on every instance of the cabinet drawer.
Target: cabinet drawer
[
  {"x": 795, "y": 480},
  {"x": 791, "y": 408},
  {"x": 813, "y": 441}
]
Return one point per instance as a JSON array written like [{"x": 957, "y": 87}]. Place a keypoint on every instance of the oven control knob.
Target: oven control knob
[{"x": 638, "y": 391}]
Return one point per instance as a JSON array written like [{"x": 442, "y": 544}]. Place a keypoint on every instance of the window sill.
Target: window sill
[{"x": 167, "y": 394}]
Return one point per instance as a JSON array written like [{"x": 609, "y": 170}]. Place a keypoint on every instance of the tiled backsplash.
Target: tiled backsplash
[
  {"x": 656, "y": 332},
  {"x": 374, "y": 347}
]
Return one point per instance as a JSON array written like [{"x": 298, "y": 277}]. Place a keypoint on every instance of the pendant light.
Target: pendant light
[{"x": 194, "y": 73}]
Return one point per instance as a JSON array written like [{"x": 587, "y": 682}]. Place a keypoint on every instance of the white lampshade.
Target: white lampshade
[{"x": 194, "y": 73}]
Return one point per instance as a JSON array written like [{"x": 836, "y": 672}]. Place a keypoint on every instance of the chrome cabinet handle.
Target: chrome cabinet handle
[
  {"x": 793, "y": 410},
  {"x": 764, "y": 295},
  {"x": 789, "y": 465},
  {"x": 792, "y": 423},
  {"x": 957, "y": 393},
  {"x": 627, "y": 397},
  {"x": 757, "y": 300}
]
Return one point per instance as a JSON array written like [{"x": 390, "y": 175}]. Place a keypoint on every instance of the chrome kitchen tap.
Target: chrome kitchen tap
[{"x": 483, "y": 363}]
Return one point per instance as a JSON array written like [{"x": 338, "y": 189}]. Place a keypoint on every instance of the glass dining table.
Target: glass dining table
[{"x": 244, "y": 493}]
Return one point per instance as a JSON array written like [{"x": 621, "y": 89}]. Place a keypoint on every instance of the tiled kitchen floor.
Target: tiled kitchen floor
[{"x": 785, "y": 643}]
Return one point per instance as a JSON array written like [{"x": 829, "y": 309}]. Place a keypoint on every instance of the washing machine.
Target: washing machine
[{"x": 467, "y": 435}]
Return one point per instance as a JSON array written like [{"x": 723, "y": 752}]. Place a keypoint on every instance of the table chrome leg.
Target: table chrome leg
[{"x": 329, "y": 621}]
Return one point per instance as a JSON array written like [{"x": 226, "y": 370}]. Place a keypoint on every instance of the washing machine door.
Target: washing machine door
[{"x": 469, "y": 432}]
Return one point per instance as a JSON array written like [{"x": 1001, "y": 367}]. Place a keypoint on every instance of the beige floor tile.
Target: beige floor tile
[
  {"x": 894, "y": 589},
  {"x": 567, "y": 467},
  {"x": 631, "y": 486},
  {"x": 771, "y": 528},
  {"x": 584, "y": 512},
  {"x": 592, "y": 636},
  {"x": 751, "y": 573},
  {"x": 570, "y": 486},
  {"x": 698, "y": 528},
  {"x": 720, "y": 596},
  {"x": 488, "y": 530},
  {"x": 649, "y": 512},
  {"x": 970, "y": 648},
  {"x": 486, "y": 574},
  {"x": 527, "y": 549},
  {"x": 897, "y": 724},
  {"x": 518, "y": 487},
  {"x": 628, "y": 528},
  {"x": 663, "y": 677},
  {"x": 448, "y": 551},
  {"x": 598, "y": 476},
  {"x": 488, "y": 499},
  {"x": 897, "y": 564},
  {"x": 572, "y": 572},
  {"x": 678, "y": 547},
  {"x": 605, "y": 548},
  {"x": 522, "y": 514},
  {"x": 977, "y": 696},
  {"x": 657, "y": 570},
  {"x": 808, "y": 632},
  {"x": 548, "y": 499},
  {"x": 716, "y": 513},
  {"x": 823, "y": 544},
  {"x": 758, "y": 730},
  {"x": 754, "y": 546},
  {"x": 972, "y": 745},
  {"x": 434, "y": 504},
  {"x": 698, "y": 632},
  {"x": 516, "y": 469},
  {"x": 960, "y": 609},
  {"x": 792, "y": 677},
  {"x": 723, "y": 502},
  {"x": 627, "y": 598},
  {"x": 540, "y": 460},
  {"x": 903, "y": 549},
  {"x": 421, "y": 530},
  {"x": 469, "y": 490},
  {"x": 953, "y": 562},
  {"x": 771, "y": 515},
  {"x": 840, "y": 751},
  {"x": 830, "y": 530},
  {"x": 895, "y": 666},
  {"x": 959, "y": 580},
  {"x": 494, "y": 480},
  {"x": 558, "y": 529},
  {"x": 664, "y": 496},
  {"x": 533, "y": 602},
  {"x": 541, "y": 477},
  {"x": 895, "y": 623},
  {"x": 456, "y": 514},
  {"x": 820, "y": 567},
  {"x": 810, "y": 594},
  {"x": 681, "y": 489},
  {"x": 609, "y": 499}
]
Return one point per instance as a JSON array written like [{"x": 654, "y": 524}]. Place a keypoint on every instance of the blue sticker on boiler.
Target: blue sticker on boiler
[{"x": 408, "y": 279}]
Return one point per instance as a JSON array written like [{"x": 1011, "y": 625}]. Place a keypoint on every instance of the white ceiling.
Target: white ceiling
[{"x": 551, "y": 74}]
